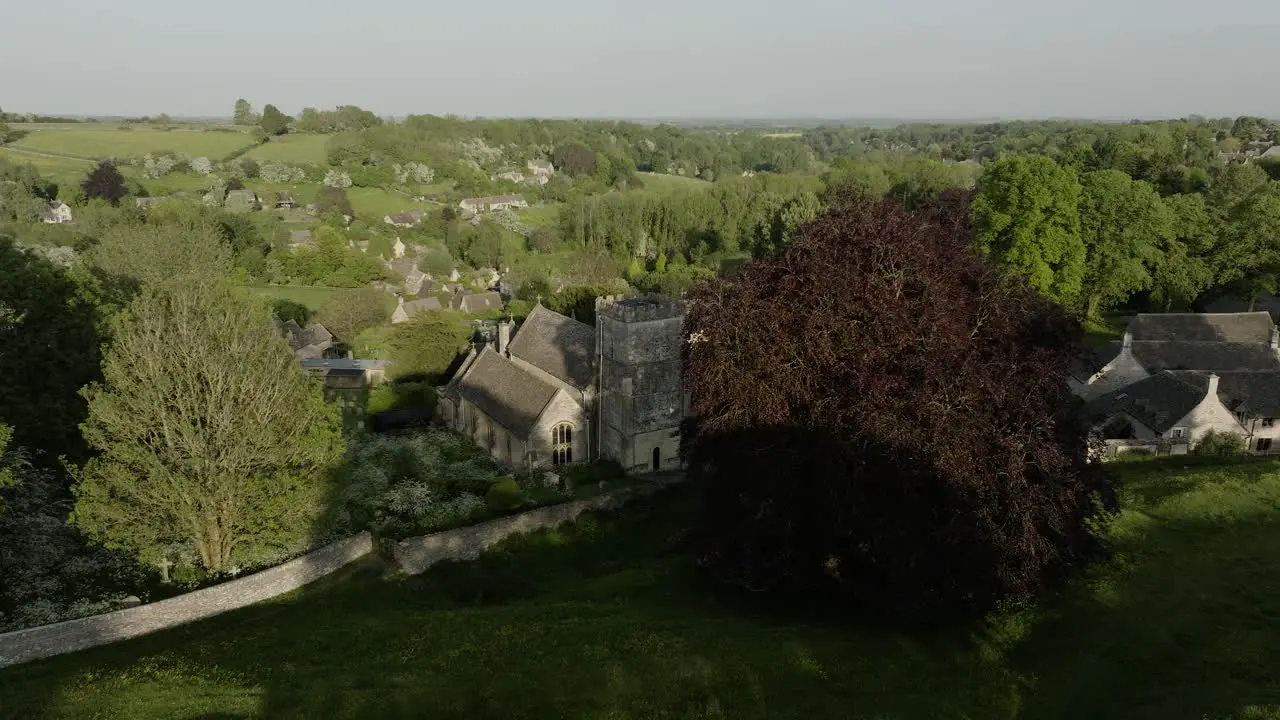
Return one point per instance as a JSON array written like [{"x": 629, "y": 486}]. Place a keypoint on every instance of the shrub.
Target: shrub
[
  {"x": 504, "y": 495},
  {"x": 927, "y": 460},
  {"x": 1219, "y": 443}
]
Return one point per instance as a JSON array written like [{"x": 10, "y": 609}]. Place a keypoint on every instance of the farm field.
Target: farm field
[
  {"x": 104, "y": 142},
  {"x": 312, "y": 297},
  {"x": 607, "y": 618},
  {"x": 540, "y": 215},
  {"x": 57, "y": 168},
  {"x": 292, "y": 149},
  {"x": 663, "y": 183}
]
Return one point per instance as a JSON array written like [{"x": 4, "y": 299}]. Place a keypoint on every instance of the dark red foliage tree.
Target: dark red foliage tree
[
  {"x": 882, "y": 414},
  {"x": 105, "y": 182},
  {"x": 575, "y": 159}
]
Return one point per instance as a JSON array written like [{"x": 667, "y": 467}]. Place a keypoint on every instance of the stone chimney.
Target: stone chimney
[
  {"x": 1128, "y": 339},
  {"x": 1213, "y": 386},
  {"x": 504, "y": 336},
  {"x": 1275, "y": 338}
]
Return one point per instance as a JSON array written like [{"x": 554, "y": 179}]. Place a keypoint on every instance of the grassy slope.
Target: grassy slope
[
  {"x": 102, "y": 142},
  {"x": 59, "y": 169},
  {"x": 292, "y": 149},
  {"x": 606, "y": 620},
  {"x": 312, "y": 297}
]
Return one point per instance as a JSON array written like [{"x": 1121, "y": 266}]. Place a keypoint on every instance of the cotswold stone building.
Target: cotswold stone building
[{"x": 560, "y": 391}]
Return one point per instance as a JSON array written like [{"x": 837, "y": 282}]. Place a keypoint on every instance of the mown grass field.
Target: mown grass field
[
  {"x": 540, "y": 215},
  {"x": 292, "y": 149},
  {"x": 665, "y": 184},
  {"x": 608, "y": 619},
  {"x": 110, "y": 141},
  {"x": 59, "y": 169},
  {"x": 312, "y": 297}
]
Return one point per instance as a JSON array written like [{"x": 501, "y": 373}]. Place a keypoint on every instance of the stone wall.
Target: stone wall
[
  {"x": 416, "y": 555},
  {"x": 33, "y": 643}
]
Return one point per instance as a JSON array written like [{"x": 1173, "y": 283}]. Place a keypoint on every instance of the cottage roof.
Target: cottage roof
[
  {"x": 1157, "y": 402},
  {"x": 344, "y": 364},
  {"x": 299, "y": 237},
  {"x": 1257, "y": 394},
  {"x": 404, "y": 265},
  {"x": 413, "y": 307},
  {"x": 1244, "y": 327},
  {"x": 1205, "y": 356},
  {"x": 512, "y": 396},
  {"x": 479, "y": 302},
  {"x": 313, "y": 334},
  {"x": 1084, "y": 366},
  {"x": 558, "y": 345}
]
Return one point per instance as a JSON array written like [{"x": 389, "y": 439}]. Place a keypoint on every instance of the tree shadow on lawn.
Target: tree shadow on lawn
[
  {"x": 602, "y": 619},
  {"x": 1184, "y": 621}
]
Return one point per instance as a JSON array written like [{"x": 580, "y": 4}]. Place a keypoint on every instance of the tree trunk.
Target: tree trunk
[{"x": 214, "y": 546}]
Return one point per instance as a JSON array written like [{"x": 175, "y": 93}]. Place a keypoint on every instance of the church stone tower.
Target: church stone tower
[{"x": 641, "y": 401}]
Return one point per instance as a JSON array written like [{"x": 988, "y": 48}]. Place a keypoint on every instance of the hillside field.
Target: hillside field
[
  {"x": 607, "y": 619},
  {"x": 62, "y": 170},
  {"x": 663, "y": 184},
  {"x": 292, "y": 149},
  {"x": 110, "y": 141}
]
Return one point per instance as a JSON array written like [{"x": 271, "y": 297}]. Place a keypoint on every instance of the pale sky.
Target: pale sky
[{"x": 656, "y": 58}]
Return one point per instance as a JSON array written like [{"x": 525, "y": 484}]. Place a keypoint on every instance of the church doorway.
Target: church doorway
[{"x": 657, "y": 459}]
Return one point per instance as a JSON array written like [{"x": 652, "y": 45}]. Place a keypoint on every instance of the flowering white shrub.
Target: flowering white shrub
[
  {"x": 337, "y": 179},
  {"x": 281, "y": 173},
  {"x": 202, "y": 165},
  {"x": 414, "y": 171},
  {"x": 154, "y": 166}
]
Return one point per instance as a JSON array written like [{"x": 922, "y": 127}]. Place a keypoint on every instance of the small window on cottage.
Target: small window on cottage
[
  {"x": 1178, "y": 433},
  {"x": 562, "y": 444},
  {"x": 1264, "y": 444},
  {"x": 1268, "y": 422}
]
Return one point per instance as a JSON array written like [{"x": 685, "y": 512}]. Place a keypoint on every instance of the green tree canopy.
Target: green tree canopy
[
  {"x": 1026, "y": 217},
  {"x": 208, "y": 433},
  {"x": 244, "y": 114},
  {"x": 347, "y": 313},
  {"x": 1186, "y": 267},
  {"x": 105, "y": 183},
  {"x": 273, "y": 121},
  {"x": 426, "y": 346},
  {"x": 1124, "y": 224}
]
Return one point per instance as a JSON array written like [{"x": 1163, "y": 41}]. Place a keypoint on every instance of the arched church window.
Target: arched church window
[{"x": 562, "y": 444}]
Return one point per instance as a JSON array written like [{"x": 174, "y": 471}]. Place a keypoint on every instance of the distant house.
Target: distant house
[
  {"x": 285, "y": 200},
  {"x": 406, "y": 219},
  {"x": 148, "y": 202},
  {"x": 408, "y": 269},
  {"x": 56, "y": 213},
  {"x": 313, "y": 342},
  {"x": 300, "y": 238},
  {"x": 242, "y": 201},
  {"x": 491, "y": 204},
  {"x": 475, "y": 302},
  {"x": 510, "y": 176},
  {"x": 347, "y": 373},
  {"x": 405, "y": 311},
  {"x": 541, "y": 168}
]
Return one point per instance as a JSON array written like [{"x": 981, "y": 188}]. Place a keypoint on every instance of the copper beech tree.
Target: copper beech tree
[{"x": 883, "y": 414}]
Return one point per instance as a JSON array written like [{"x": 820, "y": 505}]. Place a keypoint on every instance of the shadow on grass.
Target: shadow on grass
[{"x": 608, "y": 618}]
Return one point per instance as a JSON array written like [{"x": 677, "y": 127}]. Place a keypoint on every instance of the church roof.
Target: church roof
[
  {"x": 512, "y": 396},
  {"x": 558, "y": 345}
]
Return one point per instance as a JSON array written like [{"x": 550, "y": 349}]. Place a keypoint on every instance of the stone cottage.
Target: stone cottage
[
  {"x": 1175, "y": 377},
  {"x": 56, "y": 213},
  {"x": 559, "y": 391},
  {"x": 406, "y": 311}
]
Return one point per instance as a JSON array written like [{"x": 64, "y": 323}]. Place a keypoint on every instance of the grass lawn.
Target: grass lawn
[
  {"x": 1099, "y": 334},
  {"x": 59, "y": 169},
  {"x": 664, "y": 184},
  {"x": 102, "y": 142},
  {"x": 607, "y": 619},
  {"x": 540, "y": 215},
  {"x": 373, "y": 204},
  {"x": 312, "y": 297},
  {"x": 172, "y": 183},
  {"x": 292, "y": 149}
]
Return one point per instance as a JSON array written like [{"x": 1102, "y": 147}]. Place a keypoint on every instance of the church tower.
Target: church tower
[{"x": 641, "y": 398}]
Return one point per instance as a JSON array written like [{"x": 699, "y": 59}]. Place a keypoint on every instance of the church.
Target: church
[{"x": 559, "y": 391}]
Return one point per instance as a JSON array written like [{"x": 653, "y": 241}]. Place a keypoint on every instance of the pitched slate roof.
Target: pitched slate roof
[
  {"x": 413, "y": 307},
  {"x": 299, "y": 237},
  {"x": 558, "y": 345},
  {"x": 1084, "y": 366},
  {"x": 1255, "y": 393},
  {"x": 506, "y": 392},
  {"x": 1216, "y": 357},
  {"x": 478, "y": 302},
  {"x": 1245, "y": 327},
  {"x": 1158, "y": 402}
]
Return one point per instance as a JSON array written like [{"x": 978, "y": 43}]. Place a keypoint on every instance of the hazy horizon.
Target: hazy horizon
[{"x": 819, "y": 60}]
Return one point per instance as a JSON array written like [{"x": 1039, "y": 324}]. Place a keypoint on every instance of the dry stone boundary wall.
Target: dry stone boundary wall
[
  {"x": 414, "y": 556},
  {"x": 72, "y": 635}
]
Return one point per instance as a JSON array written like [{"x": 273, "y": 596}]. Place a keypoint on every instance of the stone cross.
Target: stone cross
[{"x": 164, "y": 565}]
